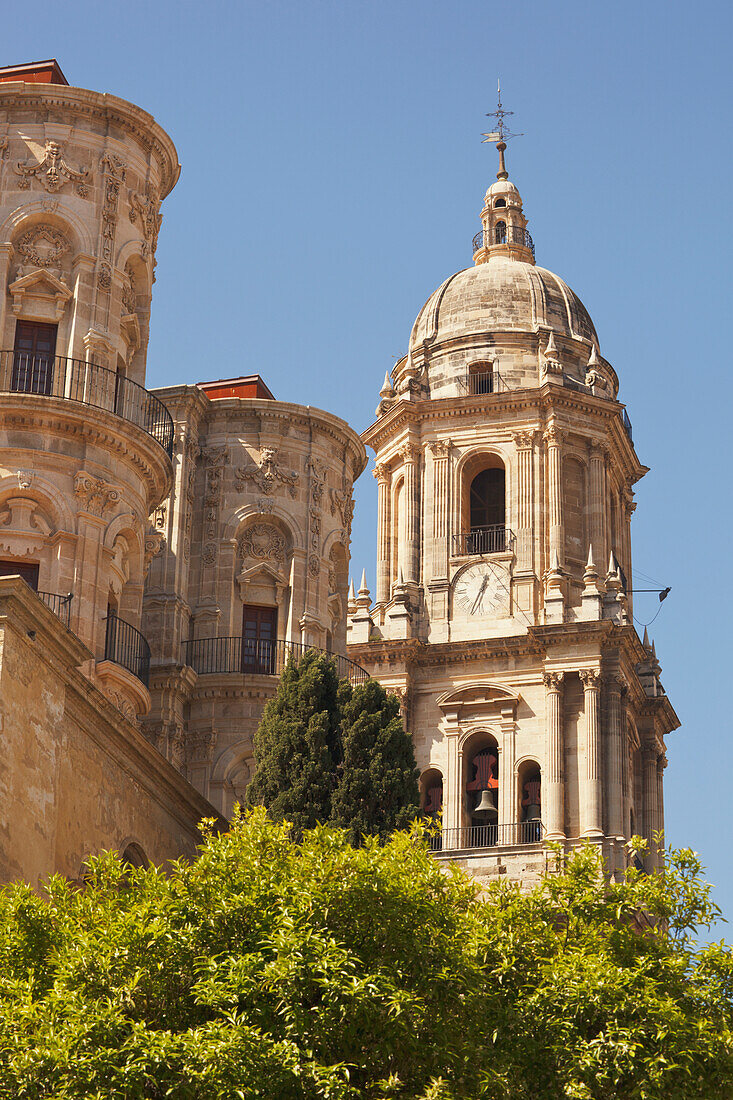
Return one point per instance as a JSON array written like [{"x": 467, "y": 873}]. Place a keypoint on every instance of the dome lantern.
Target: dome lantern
[{"x": 504, "y": 231}]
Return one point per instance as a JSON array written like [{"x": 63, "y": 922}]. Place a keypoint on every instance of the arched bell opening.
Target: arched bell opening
[
  {"x": 500, "y": 232},
  {"x": 482, "y": 792},
  {"x": 530, "y": 802},
  {"x": 484, "y": 506},
  {"x": 431, "y": 793}
]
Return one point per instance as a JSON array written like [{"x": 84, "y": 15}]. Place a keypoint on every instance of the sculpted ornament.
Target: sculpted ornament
[
  {"x": 43, "y": 246},
  {"x": 525, "y": 440},
  {"x": 52, "y": 171},
  {"x": 342, "y": 502},
  {"x": 94, "y": 494},
  {"x": 264, "y": 542},
  {"x": 144, "y": 207},
  {"x": 553, "y": 680},
  {"x": 25, "y": 479},
  {"x": 590, "y": 679},
  {"x": 267, "y": 475}
]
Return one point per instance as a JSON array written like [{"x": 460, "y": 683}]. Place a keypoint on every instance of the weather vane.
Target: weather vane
[{"x": 501, "y": 135}]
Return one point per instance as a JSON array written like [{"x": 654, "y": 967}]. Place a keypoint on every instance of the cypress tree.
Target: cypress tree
[
  {"x": 377, "y": 788},
  {"x": 297, "y": 745}
]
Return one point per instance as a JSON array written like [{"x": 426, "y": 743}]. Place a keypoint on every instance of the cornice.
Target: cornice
[
  {"x": 86, "y": 104},
  {"x": 543, "y": 402},
  {"x": 97, "y": 426}
]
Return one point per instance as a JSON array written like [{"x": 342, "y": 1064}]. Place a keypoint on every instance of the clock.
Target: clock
[{"x": 478, "y": 591}]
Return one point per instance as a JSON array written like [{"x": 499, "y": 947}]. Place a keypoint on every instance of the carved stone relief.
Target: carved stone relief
[
  {"x": 52, "y": 171},
  {"x": 94, "y": 494},
  {"x": 42, "y": 246},
  {"x": 263, "y": 542},
  {"x": 144, "y": 207},
  {"x": 267, "y": 474},
  {"x": 113, "y": 173}
]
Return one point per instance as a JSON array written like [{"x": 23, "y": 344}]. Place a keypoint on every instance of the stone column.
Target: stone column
[
  {"x": 553, "y": 440},
  {"x": 410, "y": 456},
  {"x": 525, "y": 499},
  {"x": 508, "y": 809},
  {"x": 591, "y": 809},
  {"x": 661, "y": 765},
  {"x": 441, "y": 532},
  {"x": 381, "y": 473},
  {"x": 597, "y": 510},
  {"x": 614, "y": 691},
  {"x": 554, "y": 778},
  {"x": 650, "y": 792}
]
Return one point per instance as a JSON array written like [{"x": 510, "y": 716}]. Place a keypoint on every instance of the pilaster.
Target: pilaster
[
  {"x": 554, "y": 780},
  {"x": 591, "y": 805}
]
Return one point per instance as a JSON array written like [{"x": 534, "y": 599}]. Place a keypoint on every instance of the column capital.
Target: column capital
[
  {"x": 552, "y": 436},
  {"x": 553, "y": 681},
  {"x": 410, "y": 452},
  {"x": 590, "y": 678},
  {"x": 598, "y": 449},
  {"x": 525, "y": 440},
  {"x": 441, "y": 448},
  {"x": 381, "y": 473},
  {"x": 615, "y": 684}
]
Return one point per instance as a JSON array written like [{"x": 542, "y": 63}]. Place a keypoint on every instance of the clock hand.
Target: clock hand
[{"x": 479, "y": 597}]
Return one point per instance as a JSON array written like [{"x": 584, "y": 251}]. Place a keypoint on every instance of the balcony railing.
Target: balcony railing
[
  {"x": 480, "y": 382},
  {"x": 259, "y": 658},
  {"x": 496, "y": 539},
  {"x": 88, "y": 384},
  {"x": 509, "y": 234},
  {"x": 627, "y": 426},
  {"x": 487, "y": 836},
  {"x": 127, "y": 647},
  {"x": 60, "y": 605}
]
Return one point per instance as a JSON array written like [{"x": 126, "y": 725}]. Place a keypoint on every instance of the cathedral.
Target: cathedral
[{"x": 164, "y": 553}]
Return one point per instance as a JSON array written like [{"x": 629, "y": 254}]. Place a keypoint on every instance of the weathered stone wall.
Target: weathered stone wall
[{"x": 75, "y": 776}]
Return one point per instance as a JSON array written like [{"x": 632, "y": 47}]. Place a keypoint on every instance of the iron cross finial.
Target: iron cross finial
[{"x": 501, "y": 134}]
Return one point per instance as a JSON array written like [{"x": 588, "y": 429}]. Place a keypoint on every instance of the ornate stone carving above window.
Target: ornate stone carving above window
[
  {"x": 263, "y": 542},
  {"x": 50, "y": 168},
  {"x": 42, "y": 246},
  {"x": 268, "y": 474}
]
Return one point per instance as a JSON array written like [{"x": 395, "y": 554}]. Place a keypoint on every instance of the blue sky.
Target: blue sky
[{"x": 332, "y": 178}]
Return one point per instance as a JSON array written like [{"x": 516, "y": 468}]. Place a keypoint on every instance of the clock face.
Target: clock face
[{"x": 478, "y": 591}]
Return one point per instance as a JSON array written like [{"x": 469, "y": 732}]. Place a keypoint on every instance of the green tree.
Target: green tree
[
  {"x": 377, "y": 788},
  {"x": 313, "y": 970},
  {"x": 297, "y": 745}
]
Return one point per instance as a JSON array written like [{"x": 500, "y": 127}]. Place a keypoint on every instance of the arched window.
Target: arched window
[
  {"x": 500, "y": 202},
  {"x": 487, "y": 515},
  {"x": 500, "y": 233},
  {"x": 134, "y": 856}
]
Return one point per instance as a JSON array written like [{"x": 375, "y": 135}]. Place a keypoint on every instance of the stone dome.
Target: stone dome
[{"x": 503, "y": 295}]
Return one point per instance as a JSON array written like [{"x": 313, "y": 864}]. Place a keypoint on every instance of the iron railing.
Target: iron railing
[
  {"x": 126, "y": 646},
  {"x": 496, "y": 539},
  {"x": 503, "y": 234},
  {"x": 261, "y": 658},
  {"x": 60, "y": 605},
  {"x": 627, "y": 426},
  {"x": 480, "y": 382},
  {"x": 487, "y": 836},
  {"x": 76, "y": 380}
]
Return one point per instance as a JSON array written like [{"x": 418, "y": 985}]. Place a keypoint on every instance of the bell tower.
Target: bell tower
[
  {"x": 505, "y": 468},
  {"x": 85, "y": 449}
]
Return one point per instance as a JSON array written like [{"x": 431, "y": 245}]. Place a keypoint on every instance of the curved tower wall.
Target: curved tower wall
[{"x": 84, "y": 449}]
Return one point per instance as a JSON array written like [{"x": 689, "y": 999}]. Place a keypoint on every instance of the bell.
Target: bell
[
  {"x": 533, "y": 813},
  {"x": 486, "y": 806}
]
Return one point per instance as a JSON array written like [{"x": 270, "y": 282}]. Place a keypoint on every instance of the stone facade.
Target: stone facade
[
  {"x": 85, "y": 458},
  {"x": 505, "y": 470},
  {"x": 259, "y": 517},
  {"x": 76, "y": 777}
]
